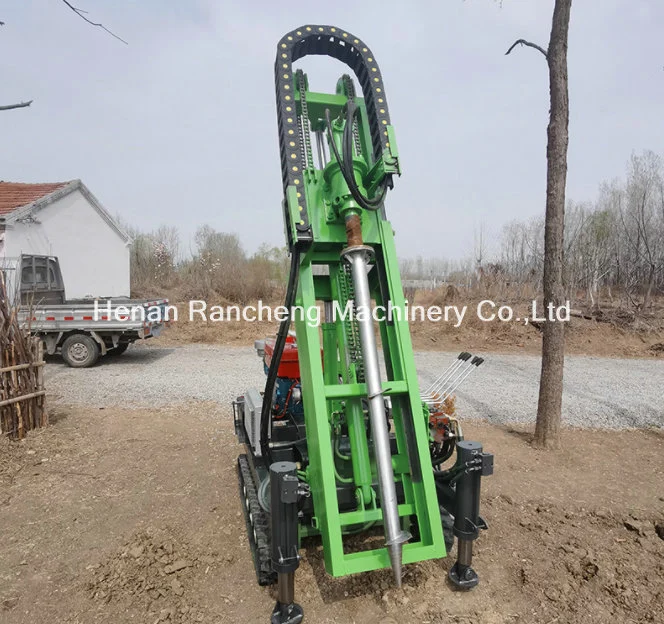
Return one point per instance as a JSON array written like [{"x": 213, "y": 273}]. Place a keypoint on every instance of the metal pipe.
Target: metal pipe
[
  {"x": 465, "y": 552},
  {"x": 286, "y": 588},
  {"x": 394, "y": 536},
  {"x": 320, "y": 148}
]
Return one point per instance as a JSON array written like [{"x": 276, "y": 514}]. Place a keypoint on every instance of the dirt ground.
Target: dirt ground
[
  {"x": 113, "y": 515},
  {"x": 643, "y": 338}
]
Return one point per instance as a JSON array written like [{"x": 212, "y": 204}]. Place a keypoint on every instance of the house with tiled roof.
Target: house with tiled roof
[{"x": 65, "y": 220}]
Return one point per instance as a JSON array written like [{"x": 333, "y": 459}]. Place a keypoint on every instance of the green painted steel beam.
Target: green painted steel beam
[
  {"x": 332, "y": 388},
  {"x": 342, "y": 391},
  {"x": 371, "y": 515}
]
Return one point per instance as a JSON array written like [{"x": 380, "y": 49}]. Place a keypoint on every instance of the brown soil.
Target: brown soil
[
  {"x": 607, "y": 338},
  {"x": 133, "y": 515}
]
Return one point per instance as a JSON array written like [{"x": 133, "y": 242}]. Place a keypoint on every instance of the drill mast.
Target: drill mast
[
  {"x": 343, "y": 252},
  {"x": 341, "y": 442}
]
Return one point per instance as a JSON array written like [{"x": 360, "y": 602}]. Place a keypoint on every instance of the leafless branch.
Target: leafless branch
[
  {"x": 81, "y": 14},
  {"x": 523, "y": 42},
  {"x": 19, "y": 105}
]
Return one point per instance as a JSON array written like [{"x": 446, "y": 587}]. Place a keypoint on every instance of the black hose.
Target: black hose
[
  {"x": 346, "y": 162},
  {"x": 347, "y": 152},
  {"x": 452, "y": 475},
  {"x": 445, "y": 453},
  {"x": 446, "y": 475},
  {"x": 276, "y": 356}
]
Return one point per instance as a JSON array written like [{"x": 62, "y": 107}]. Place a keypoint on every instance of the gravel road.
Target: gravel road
[{"x": 599, "y": 392}]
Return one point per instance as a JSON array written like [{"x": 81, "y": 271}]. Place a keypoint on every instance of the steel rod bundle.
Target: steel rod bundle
[{"x": 21, "y": 375}]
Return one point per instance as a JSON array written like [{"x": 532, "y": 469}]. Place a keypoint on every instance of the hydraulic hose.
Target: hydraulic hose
[
  {"x": 347, "y": 152},
  {"x": 446, "y": 452},
  {"x": 276, "y": 355},
  {"x": 346, "y": 161},
  {"x": 446, "y": 475}
]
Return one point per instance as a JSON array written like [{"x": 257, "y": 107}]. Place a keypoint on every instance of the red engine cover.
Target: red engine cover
[{"x": 289, "y": 365}]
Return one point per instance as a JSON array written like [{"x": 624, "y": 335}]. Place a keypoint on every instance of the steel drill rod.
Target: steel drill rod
[{"x": 394, "y": 536}]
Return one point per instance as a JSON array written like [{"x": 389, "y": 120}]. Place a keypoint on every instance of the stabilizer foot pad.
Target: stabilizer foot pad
[
  {"x": 287, "y": 614},
  {"x": 463, "y": 577}
]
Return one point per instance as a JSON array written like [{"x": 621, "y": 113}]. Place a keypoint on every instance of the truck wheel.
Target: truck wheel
[
  {"x": 80, "y": 351},
  {"x": 119, "y": 350}
]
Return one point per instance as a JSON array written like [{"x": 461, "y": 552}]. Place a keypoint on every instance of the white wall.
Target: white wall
[{"x": 94, "y": 259}]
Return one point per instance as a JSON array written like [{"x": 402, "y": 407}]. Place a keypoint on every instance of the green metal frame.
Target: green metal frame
[{"x": 331, "y": 393}]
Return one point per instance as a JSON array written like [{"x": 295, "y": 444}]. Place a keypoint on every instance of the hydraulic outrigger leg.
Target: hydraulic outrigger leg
[{"x": 284, "y": 493}]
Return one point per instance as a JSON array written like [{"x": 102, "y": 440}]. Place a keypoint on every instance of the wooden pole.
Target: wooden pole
[
  {"x": 17, "y": 367},
  {"x": 25, "y": 397}
]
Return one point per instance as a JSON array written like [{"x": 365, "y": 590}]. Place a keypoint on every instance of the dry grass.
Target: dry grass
[{"x": 616, "y": 335}]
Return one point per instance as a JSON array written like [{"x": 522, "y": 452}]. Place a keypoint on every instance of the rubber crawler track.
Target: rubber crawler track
[{"x": 258, "y": 524}]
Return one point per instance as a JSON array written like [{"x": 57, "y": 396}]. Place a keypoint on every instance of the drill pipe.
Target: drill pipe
[{"x": 358, "y": 257}]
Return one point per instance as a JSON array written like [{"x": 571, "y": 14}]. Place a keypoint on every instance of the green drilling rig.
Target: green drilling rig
[{"x": 341, "y": 445}]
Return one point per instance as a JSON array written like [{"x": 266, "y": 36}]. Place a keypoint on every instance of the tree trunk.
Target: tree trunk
[
  {"x": 547, "y": 428},
  {"x": 651, "y": 284}
]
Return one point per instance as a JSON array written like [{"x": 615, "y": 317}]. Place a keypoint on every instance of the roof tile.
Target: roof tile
[{"x": 15, "y": 195}]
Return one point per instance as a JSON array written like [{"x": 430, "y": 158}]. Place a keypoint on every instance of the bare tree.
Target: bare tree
[
  {"x": 82, "y": 14},
  {"x": 13, "y": 106},
  {"x": 614, "y": 244},
  {"x": 547, "y": 428},
  {"x": 19, "y": 105},
  {"x": 643, "y": 218}
]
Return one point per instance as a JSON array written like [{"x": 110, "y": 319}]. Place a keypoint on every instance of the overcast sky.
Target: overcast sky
[{"x": 179, "y": 126}]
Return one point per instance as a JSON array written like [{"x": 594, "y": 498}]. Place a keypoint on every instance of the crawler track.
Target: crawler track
[{"x": 258, "y": 523}]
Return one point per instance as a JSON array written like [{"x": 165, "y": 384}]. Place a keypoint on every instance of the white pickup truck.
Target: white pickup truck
[{"x": 81, "y": 330}]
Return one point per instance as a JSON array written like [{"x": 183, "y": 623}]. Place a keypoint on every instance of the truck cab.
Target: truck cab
[
  {"x": 75, "y": 328},
  {"x": 40, "y": 280}
]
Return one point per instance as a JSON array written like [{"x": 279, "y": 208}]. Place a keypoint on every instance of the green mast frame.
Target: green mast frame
[{"x": 317, "y": 204}]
